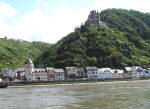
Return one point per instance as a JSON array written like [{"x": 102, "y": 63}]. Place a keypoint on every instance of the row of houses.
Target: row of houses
[
  {"x": 48, "y": 74},
  {"x": 29, "y": 73}
]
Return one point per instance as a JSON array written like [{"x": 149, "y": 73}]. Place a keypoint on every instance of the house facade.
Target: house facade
[
  {"x": 59, "y": 74},
  {"x": 81, "y": 73},
  {"x": 140, "y": 72},
  {"x": 117, "y": 74},
  {"x": 104, "y": 73},
  {"x": 147, "y": 73},
  {"x": 91, "y": 72},
  {"x": 50, "y": 74},
  {"x": 39, "y": 75},
  {"x": 131, "y": 72},
  {"x": 71, "y": 72},
  {"x": 11, "y": 74},
  {"x": 20, "y": 73}
]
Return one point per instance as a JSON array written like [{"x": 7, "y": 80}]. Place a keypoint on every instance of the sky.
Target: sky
[{"x": 50, "y": 20}]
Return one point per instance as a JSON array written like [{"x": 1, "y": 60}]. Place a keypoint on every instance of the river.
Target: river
[{"x": 108, "y": 95}]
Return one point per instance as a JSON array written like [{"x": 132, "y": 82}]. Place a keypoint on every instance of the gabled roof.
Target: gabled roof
[
  {"x": 132, "y": 68},
  {"x": 59, "y": 70},
  {"x": 70, "y": 68},
  {"x": 49, "y": 68},
  {"x": 29, "y": 61},
  {"x": 37, "y": 70},
  {"x": 104, "y": 69}
]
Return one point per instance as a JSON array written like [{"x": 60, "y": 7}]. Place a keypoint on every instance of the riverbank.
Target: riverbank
[{"x": 66, "y": 83}]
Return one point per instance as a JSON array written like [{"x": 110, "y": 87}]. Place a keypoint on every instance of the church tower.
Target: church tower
[{"x": 29, "y": 68}]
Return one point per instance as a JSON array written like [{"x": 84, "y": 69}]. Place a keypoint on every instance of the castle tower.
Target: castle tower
[
  {"x": 93, "y": 19},
  {"x": 29, "y": 68}
]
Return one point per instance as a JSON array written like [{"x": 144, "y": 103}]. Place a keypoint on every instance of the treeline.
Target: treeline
[
  {"x": 13, "y": 53},
  {"x": 123, "y": 42}
]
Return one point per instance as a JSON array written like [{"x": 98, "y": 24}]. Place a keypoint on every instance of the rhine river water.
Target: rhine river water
[{"x": 108, "y": 95}]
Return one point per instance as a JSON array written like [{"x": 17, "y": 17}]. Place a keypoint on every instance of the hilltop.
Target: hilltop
[
  {"x": 123, "y": 39},
  {"x": 13, "y": 53}
]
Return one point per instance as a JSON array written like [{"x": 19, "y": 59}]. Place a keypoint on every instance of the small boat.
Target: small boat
[{"x": 3, "y": 85}]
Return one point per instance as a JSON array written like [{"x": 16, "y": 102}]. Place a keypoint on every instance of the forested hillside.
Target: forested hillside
[
  {"x": 13, "y": 53},
  {"x": 123, "y": 42}
]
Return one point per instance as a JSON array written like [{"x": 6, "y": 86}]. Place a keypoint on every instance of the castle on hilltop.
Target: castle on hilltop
[{"x": 94, "y": 19}]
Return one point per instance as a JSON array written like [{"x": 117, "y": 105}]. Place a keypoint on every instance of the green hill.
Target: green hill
[
  {"x": 125, "y": 41},
  {"x": 13, "y": 53}
]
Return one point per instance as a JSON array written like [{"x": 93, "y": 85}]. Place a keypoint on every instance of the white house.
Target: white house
[
  {"x": 59, "y": 74},
  {"x": 131, "y": 72},
  {"x": 39, "y": 75},
  {"x": 29, "y": 68},
  {"x": 91, "y": 72},
  {"x": 104, "y": 73},
  {"x": 116, "y": 73}
]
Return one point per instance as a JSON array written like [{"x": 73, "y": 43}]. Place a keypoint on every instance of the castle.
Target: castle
[{"x": 94, "y": 19}]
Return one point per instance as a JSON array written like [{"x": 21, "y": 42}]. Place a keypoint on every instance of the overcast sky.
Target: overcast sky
[{"x": 50, "y": 20}]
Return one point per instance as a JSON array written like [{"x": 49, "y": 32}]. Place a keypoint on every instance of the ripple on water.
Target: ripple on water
[{"x": 120, "y": 95}]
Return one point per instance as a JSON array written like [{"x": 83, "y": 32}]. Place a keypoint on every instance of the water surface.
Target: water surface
[{"x": 115, "y": 95}]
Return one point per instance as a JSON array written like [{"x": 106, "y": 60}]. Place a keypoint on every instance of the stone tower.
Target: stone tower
[
  {"x": 29, "y": 68},
  {"x": 93, "y": 19}
]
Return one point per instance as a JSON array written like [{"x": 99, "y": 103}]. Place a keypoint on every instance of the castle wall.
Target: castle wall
[{"x": 94, "y": 19}]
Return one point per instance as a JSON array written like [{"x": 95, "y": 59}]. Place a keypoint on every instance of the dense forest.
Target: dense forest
[
  {"x": 125, "y": 41},
  {"x": 13, "y": 53}
]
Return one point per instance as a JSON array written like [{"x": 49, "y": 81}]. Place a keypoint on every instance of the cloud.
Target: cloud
[
  {"x": 39, "y": 1},
  {"x": 37, "y": 25},
  {"x": 6, "y": 10},
  {"x": 46, "y": 4},
  {"x": 127, "y": 4},
  {"x": 4, "y": 27},
  {"x": 51, "y": 27},
  {"x": 61, "y": 0},
  {"x": 16, "y": 31}
]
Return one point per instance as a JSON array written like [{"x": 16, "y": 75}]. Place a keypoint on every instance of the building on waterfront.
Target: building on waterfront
[
  {"x": 81, "y": 73},
  {"x": 10, "y": 73},
  {"x": 29, "y": 68},
  {"x": 91, "y": 72},
  {"x": 59, "y": 74},
  {"x": 104, "y": 73},
  {"x": 140, "y": 72},
  {"x": 117, "y": 74},
  {"x": 71, "y": 72},
  {"x": 29, "y": 73},
  {"x": 50, "y": 74},
  {"x": 4, "y": 77},
  {"x": 20, "y": 73},
  {"x": 147, "y": 73},
  {"x": 131, "y": 72},
  {"x": 39, "y": 75}
]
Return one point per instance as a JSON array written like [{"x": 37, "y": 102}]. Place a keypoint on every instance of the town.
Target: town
[{"x": 29, "y": 73}]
